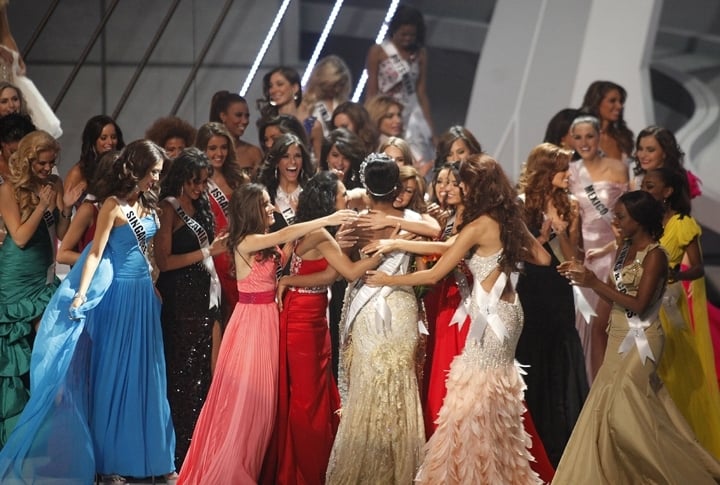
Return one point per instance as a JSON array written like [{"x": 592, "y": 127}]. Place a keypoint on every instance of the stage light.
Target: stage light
[{"x": 321, "y": 41}]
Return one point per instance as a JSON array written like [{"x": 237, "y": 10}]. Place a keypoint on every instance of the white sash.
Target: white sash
[
  {"x": 636, "y": 333},
  {"x": 204, "y": 242},
  {"x": 463, "y": 308},
  {"x": 401, "y": 66},
  {"x": 323, "y": 113},
  {"x": 486, "y": 314},
  {"x": 137, "y": 228},
  {"x": 219, "y": 197},
  {"x": 589, "y": 189},
  {"x": 49, "y": 219}
]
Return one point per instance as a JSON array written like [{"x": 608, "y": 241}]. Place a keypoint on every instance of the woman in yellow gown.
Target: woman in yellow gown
[{"x": 688, "y": 363}]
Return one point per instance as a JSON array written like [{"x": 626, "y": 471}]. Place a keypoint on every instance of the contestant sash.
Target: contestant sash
[
  {"x": 204, "y": 242},
  {"x": 219, "y": 197},
  {"x": 49, "y": 219},
  {"x": 485, "y": 313},
  {"x": 592, "y": 195},
  {"x": 401, "y": 66}
]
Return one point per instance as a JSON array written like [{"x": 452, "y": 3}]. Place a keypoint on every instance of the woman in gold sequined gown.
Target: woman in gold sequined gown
[
  {"x": 629, "y": 430},
  {"x": 475, "y": 442}
]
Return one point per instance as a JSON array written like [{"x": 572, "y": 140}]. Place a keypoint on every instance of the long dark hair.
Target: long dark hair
[
  {"x": 188, "y": 166},
  {"x": 247, "y": 216},
  {"x": 618, "y": 129},
  {"x": 351, "y": 147},
  {"x": 490, "y": 193},
  {"x": 132, "y": 164},
  {"x": 446, "y": 140},
  {"x": 318, "y": 198},
  {"x": 674, "y": 156},
  {"x": 230, "y": 169},
  {"x": 645, "y": 210},
  {"x": 268, "y": 172},
  {"x": 679, "y": 200},
  {"x": 220, "y": 103},
  {"x": 91, "y": 133}
]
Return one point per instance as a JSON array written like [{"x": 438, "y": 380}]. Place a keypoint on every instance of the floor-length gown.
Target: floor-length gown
[
  {"x": 596, "y": 233},
  {"x": 25, "y": 289},
  {"x": 629, "y": 430},
  {"x": 688, "y": 364},
  {"x": 308, "y": 402},
  {"x": 187, "y": 324},
  {"x": 236, "y": 422},
  {"x": 381, "y": 433},
  {"x": 76, "y": 411},
  {"x": 475, "y": 442},
  {"x": 550, "y": 346}
]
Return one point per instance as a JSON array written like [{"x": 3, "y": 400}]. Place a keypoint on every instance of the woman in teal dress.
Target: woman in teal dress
[
  {"x": 31, "y": 206},
  {"x": 98, "y": 397}
]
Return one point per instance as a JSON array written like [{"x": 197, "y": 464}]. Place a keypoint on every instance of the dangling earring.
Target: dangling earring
[
  {"x": 277, "y": 174},
  {"x": 295, "y": 96}
]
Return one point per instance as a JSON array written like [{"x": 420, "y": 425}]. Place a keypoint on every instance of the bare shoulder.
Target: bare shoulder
[
  {"x": 376, "y": 53},
  {"x": 618, "y": 169}
]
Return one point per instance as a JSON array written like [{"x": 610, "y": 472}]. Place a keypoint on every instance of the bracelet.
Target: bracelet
[
  {"x": 205, "y": 252},
  {"x": 83, "y": 298},
  {"x": 69, "y": 216}
]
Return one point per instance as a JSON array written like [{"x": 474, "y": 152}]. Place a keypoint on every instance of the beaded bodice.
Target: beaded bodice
[{"x": 488, "y": 350}]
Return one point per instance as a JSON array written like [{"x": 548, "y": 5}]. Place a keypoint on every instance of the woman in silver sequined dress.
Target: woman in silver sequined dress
[{"x": 474, "y": 442}]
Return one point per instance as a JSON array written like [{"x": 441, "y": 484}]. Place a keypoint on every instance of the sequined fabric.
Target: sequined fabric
[
  {"x": 480, "y": 436},
  {"x": 187, "y": 324}
]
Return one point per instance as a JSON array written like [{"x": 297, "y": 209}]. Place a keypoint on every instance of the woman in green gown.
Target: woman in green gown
[{"x": 32, "y": 207}]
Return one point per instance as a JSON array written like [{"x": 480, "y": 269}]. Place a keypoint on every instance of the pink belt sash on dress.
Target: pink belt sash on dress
[{"x": 257, "y": 298}]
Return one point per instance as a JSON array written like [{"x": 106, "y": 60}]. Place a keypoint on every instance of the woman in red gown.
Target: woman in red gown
[{"x": 308, "y": 403}]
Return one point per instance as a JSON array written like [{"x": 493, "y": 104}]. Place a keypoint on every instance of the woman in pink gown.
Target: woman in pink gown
[
  {"x": 236, "y": 422},
  {"x": 597, "y": 182}
]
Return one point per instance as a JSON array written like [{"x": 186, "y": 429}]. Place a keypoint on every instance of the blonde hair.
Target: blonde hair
[
  {"x": 25, "y": 185},
  {"x": 401, "y": 145},
  {"x": 417, "y": 203},
  {"x": 378, "y": 107},
  {"x": 330, "y": 79}
]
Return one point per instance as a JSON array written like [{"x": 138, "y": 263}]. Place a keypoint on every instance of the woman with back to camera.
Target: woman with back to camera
[
  {"x": 236, "y": 422},
  {"x": 605, "y": 100},
  {"x": 549, "y": 343},
  {"x": 99, "y": 402},
  {"x": 189, "y": 287},
  {"x": 232, "y": 110},
  {"x": 398, "y": 68},
  {"x": 32, "y": 208},
  {"x": 688, "y": 366},
  {"x": 474, "y": 443},
  {"x": 596, "y": 181},
  {"x": 101, "y": 134},
  {"x": 629, "y": 430}
]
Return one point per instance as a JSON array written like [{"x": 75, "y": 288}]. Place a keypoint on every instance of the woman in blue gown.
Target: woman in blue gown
[{"x": 98, "y": 388}]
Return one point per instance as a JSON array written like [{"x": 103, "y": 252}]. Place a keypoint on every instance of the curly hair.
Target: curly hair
[
  {"x": 362, "y": 124},
  {"x": 132, "y": 164},
  {"x": 544, "y": 161},
  {"x": 26, "y": 186},
  {"x": 221, "y": 102},
  {"x": 330, "y": 79},
  {"x": 318, "y": 198},
  {"x": 23, "y": 110},
  {"x": 266, "y": 109},
  {"x": 618, "y": 130},
  {"x": 417, "y": 202},
  {"x": 400, "y": 144},
  {"x": 88, "y": 153},
  {"x": 644, "y": 210},
  {"x": 248, "y": 216},
  {"x": 491, "y": 194},
  {"x": 231, "y": 170},
  {"x": 446, "y": 140},
  {"x": 351, "y": 147},
  {"x": 167, "y": 127},
  {"x": 186, "y": 167},
  {"x": 268, "y": 175},
  {"x": 674, "y": 156}
]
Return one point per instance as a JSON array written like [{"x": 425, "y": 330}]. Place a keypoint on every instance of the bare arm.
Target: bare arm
[
  {"x": 165, "y": 259},
  {"x": 695, "y": 260},
  {"x": 372, "y": 64},
  {"x": 422, "y": 91},
  {"x": 22, "y": 231},
  {"x": 428, "y": 227},
  {"x": 535, "y": 253},
  {"x": 410, "y": 246},
  {"x": 83, "y": 219},
  {"x": 654, "y": 270}
]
